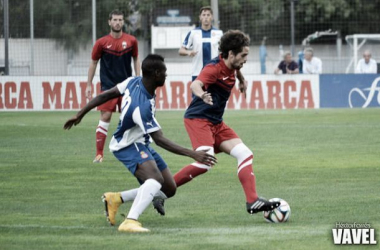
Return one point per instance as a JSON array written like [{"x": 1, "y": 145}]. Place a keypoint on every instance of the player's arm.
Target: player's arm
[
  {"x": 185, "y": 52},
  {"x": 90, "y": 77},
  {"x": 163, "y": 142},
  {"x": 136, "y": 65},
  {"x": 197, "y": 89},
  {"x": 242, "y": 82},
  {"x": 98, "y": 100}
]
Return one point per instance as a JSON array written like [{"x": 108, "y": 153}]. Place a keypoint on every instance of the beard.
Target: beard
[{"x": 116, "y": 30}]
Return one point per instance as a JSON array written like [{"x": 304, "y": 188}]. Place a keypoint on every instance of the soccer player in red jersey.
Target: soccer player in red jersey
[
  {"x": 204, "y": 120},
  {"x": 115, "y": 51}
]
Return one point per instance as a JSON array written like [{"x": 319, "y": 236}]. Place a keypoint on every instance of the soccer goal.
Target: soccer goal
[{"x": 356, "y": 42}]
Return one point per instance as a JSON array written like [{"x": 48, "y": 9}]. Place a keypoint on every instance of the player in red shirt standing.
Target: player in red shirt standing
[
  {"x": 115, "y": 52},
  {"x": 204, "y": 120}
]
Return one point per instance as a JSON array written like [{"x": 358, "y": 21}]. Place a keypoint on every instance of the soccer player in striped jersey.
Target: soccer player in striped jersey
[
  {"x": 115, "y": 52},
  {"x": 201, "y": 43},
  {"x": 130, "y": 143},
  {"x": 204, "y": 120}
]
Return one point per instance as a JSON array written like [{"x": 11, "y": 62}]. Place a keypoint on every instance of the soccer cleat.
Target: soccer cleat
[
  {"x": 132, "y": 226},
  {"x": 112, "y": 201},
  {"x": 260, "y": 205},
  {"x": 98, "y": 159},
  {"x": 158, "y": 204}
]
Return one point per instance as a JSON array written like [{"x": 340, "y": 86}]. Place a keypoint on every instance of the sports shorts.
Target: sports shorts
[
  {"x": 111, "y": 105},
  {"x": 139, "y": 153},
  {"x": 204, "y": 133}
]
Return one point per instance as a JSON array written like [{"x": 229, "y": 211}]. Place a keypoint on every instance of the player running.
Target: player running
[
  {"x": 204, "y": 120},
  {"x": 115, "y": 52},
  {"x": 130, "y": 143}
]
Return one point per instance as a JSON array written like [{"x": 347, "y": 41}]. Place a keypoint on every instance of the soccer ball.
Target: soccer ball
[{"x": 280, "y": 214}]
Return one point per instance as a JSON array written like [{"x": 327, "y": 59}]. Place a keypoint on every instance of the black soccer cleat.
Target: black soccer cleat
[
  {"x": 261, "y": 204},
  {"x": 158, "y": 204}
]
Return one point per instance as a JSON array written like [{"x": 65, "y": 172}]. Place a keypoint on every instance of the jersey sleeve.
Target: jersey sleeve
[
  {"x": 122, "y": 87},
  {"x": 188, "y": 42},
  {"x": 143, "y": 116},
  {"x": 97, "y": 51},
  {"x": 135, "y": 48},
  {"x": 208, "y": 75}
]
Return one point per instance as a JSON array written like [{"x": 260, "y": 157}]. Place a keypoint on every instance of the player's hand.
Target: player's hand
[
  {"x": 192, "y": 53},
  {"x": 243, "y": 88},
  {"x": 89, "y": 92},
  {"x": 203, "y": 157},
  {"x": 75, "y": 120},
  {"x": 207, "y": 98},
  {"x": 288, "y": 71}
]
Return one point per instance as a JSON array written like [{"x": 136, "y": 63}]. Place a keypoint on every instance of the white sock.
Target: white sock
[
  {"x": 144, "y": 197},
  {"x": 103, "y": 127},
  {"x": 130, "y": 195},
  {"x": 241, "y": 152}
]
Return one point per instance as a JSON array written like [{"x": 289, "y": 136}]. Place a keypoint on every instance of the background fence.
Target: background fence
[{"x": 57, "y": 40}]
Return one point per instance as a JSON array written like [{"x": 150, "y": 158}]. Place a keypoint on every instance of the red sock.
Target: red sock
[
  {"x": 248, "y": 179},
  {"x": 187, "y": 173},
  {"x": 101, "y": 136}
]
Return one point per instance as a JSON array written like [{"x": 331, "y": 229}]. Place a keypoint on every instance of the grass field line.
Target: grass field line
[{"x": 195, "y": 230}]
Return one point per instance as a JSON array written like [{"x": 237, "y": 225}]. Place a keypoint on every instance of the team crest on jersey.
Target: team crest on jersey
[
  {"x": 143, "y": 155},
  {"x": 124, "y": 44}
]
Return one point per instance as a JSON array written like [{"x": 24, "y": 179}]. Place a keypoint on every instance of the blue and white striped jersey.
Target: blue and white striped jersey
[
  {"x": 137, "y": 118},
  {"x": 206, "y": 42}
]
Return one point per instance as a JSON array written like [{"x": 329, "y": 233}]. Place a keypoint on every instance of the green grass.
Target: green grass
[{"x": 325, "y": 163}]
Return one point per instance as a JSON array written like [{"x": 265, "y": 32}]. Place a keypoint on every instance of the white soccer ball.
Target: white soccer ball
[{"x": 280, "y": 214}]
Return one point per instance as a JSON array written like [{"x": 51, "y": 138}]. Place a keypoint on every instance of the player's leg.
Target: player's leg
[
  {"x": 149, "y": 173},
  {"x": 106, "y": 110},
  {"x": 101, "y": 134},
  {"x": 201, "y": 136},
  {"x": 168, "y": 190},
  {"x": 229, "y": 143}
]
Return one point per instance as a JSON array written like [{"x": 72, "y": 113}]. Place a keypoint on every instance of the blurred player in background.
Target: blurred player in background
[
  {"x": 288, "y": 65},
  {"x": 115, "y": 51},
  {"x": 130, "y": 143},
  {"x": 310, "y": 63},
  {"x": 204, "y": 120},
  {"x": 202, "y": 43},
  {"x": 366, "y": 65}
]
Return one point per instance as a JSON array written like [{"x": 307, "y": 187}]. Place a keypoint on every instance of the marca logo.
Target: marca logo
[
  {"x": 353, "y": 234},
  {"x": 371, "y": 94}
]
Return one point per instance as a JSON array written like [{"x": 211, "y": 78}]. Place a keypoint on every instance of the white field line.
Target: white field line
[{"x": 261, "y": 230}]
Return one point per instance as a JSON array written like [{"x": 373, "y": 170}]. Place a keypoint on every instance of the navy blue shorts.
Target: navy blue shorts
[{"x": 139, "y": 153}]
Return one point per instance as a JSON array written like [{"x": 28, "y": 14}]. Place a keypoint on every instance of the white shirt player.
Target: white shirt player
[
  {"x": 206, "y": 43},
  {"x": 137, "y": 118},
  {"x": 366, "y": 68}
]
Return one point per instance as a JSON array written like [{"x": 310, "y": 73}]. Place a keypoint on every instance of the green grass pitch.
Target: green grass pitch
[{"x": 325, "y": 163}]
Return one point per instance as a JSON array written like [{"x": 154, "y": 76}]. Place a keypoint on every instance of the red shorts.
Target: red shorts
[
  {"x": 204, "y": 133},
  {"x": 111, "y": 105}
]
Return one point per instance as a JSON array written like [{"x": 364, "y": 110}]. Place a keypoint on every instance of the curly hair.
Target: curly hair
[{"x": 233, "y": 40}]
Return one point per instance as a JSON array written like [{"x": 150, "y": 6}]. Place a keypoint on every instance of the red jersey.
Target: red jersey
[
  {"x": 218, "y": 80},
  {"x": 115, "y": 56}
]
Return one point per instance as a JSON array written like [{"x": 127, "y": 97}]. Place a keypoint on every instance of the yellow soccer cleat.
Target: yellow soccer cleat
[
  {"x": 132, "y": 226},
  {"x": 98, "y": 159},
  {"x": 112, "y": 201}
]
